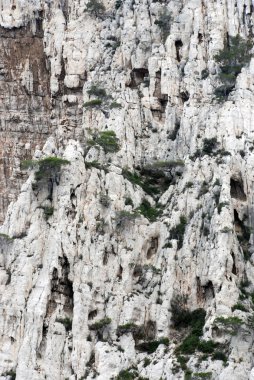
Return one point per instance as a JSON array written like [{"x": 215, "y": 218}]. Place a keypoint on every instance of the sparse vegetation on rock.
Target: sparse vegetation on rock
[
  {"x": 231, "y": 59},
  {"x": 107, "y": 140}
]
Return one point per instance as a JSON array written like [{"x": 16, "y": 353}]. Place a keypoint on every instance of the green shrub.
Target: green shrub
[
  {"x": 107, "y": 140},
  {"x": 134, "y": 178},
  {"x": 202, "y": 375},
  {"x": 126, "y": 375},
  {"x": 204, "y": 74},
  {"x": 128, "y": 202},
  {"x": 147, "y": 362},
  {"x": 152, "y": 345},
  {"x": 101, "y": 324},
  {"x": 189, "y": 344},
  {"x": 195, "y": 320},
  {"x": 97, "y": 91},
  {"x": 93, "y": 164},
  {"x": 209, "y": 145},
  {"x": 229, "y": 325},
  {"x": 239, "y": 306},
  {"x": 118, "y": 4},
  {"x": 182, "y": 360},
  {"x": 188, "y": 374},
  {"x": 154, "y": 178},
  {"x": 115, "y": 105},
  {"x": 48, "y": 211},
  {"x": 178, "y": 231},
  {"x": 28, "y": 164},
  {"x": 47, "y": 168},
  {"x": 164, "y": 23},
  {"x": 219, "y": 355},
  {"x": 189, "y": 184},
  {"x": 149, "y": 212},
  {"x": 11, "y": 374},
  {"x": 129, "y": 327},
  {"x": 207, "y": 346},
  {"x": 5, "y": 236},
  {"x": 95, "y": 8},
  {"x": 67, "y": 322},
  {"x": 231, "y": 59},
  {"x": 93, "y": 103},
  {"x": 123, "y": 217},
  {"x": 180, "y": 315},
  {"x": 168, "y": 244}
]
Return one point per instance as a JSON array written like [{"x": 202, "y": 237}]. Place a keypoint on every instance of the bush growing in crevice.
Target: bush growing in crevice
[
  {"x": 67, "y": 322},
  {"x": 219, "y": 355},
  {"x": 203, "y": 189},
  {"x": 118, "y": 4},
  {"x": 101, "y": 324},
  {"x": 147, "y": 362},
  {"x": 239, "y": 306},
  {"x": 93, "y": 164},
  {"x": 204, "y": 74},
  {"x": 180, "y": 314},
  {"x": 202, "y": 375},
  {"x": 95, "y": 8},
  {"x": 182, "y": 317},
  {"x": 48, "y": 211},
  {"x": 229, "y": 325},
  {"x": 5, "y": 237},
  {"x": 126, "y": 374},
  {"x": 128, "y": 202},
  {"x": 11, "y": 374},
  {"x": 115, "y": 105},
  {"x": 209, "y": 146},
  {"x": 132, "y": 177},
  {"x": 172, "y": 135},
  {"x": 93, "y": 103},
  {"x": 221, "y": 205},
  {"x": 149, "y": 212},
  {"x": 155, "y": 178},
  {"x": 129, "y": 327},
  {"x": 164, "y": 23},
  {"x": 96, "y": 90},
  {"x": 107, "y": 140},
  {"x": 231, "y": 59},
  {"x": 152, "y": 345},
  {"x": 47, "y": 170},
  {"x": 207, "y": 346},
  {"x": 178, "y": 231},
  {"x": 123, "y": 217}
]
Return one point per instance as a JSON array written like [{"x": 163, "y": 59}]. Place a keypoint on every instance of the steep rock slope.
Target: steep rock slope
[{"x": 92, "y": 277}]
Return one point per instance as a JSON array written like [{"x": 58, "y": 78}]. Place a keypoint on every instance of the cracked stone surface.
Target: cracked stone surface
[{"x": 95, "y": 257}]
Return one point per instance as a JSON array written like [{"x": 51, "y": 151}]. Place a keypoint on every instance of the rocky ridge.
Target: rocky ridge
[{"x": 89, "y": 271}]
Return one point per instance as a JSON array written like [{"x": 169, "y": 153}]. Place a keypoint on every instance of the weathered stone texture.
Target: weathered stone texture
[{"x": 81, "y": 264}]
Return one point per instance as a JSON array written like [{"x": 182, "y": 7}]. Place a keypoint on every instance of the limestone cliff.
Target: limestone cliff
[{"x": 134, "y": 259}]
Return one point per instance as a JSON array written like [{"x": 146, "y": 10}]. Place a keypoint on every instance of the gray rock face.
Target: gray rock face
[{"x": 102, "y": 271}]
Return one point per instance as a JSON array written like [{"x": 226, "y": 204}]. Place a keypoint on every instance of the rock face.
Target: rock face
[{"x": 106, "y": 274}]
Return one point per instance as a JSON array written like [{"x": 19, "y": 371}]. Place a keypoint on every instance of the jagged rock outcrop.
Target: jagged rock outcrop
[{"x": 102, "y": 271}]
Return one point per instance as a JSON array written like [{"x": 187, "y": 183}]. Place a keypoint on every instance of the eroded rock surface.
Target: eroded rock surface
[{"x": 88, "y": 275}]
